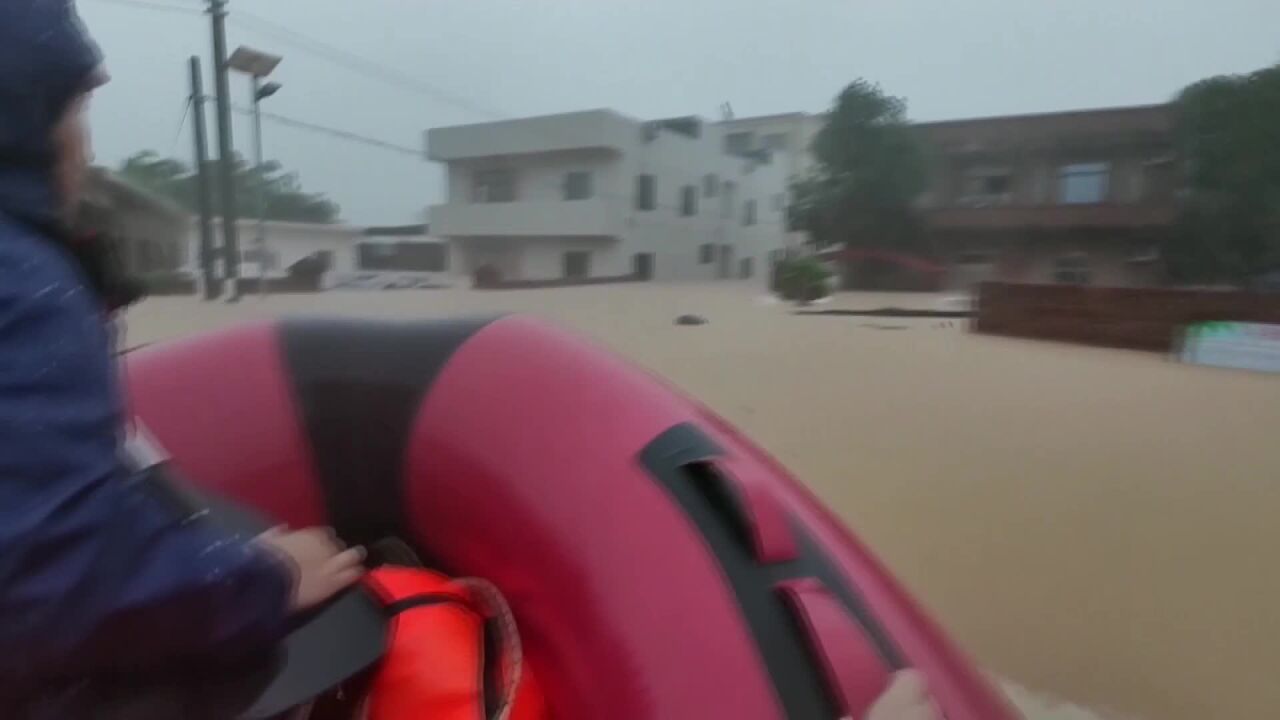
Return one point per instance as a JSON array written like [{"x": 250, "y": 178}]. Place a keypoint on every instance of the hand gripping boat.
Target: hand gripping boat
[{"x": 660, "y": 565}]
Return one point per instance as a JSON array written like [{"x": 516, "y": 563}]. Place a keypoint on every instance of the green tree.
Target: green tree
[
  {"x": 1229, "y": 136},
  {"x": 166, "y": 177},
  {"x": 869, "y": 173},
  {"x": 277, "y": 192}
]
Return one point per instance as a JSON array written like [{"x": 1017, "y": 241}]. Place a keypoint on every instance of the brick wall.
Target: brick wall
[{"x": 1135, "y": 318}]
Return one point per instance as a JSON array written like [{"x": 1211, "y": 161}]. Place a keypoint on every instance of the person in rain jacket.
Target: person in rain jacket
[{"x": 96, "y": 576}]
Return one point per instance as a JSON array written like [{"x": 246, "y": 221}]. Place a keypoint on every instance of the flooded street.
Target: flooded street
[{"x": 1093, "y": 524}]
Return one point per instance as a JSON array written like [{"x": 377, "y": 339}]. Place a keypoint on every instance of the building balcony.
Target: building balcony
[
  {"x": 1099, "y": 216},
  {"x": 588, "y": 130},
  {"x": 579, "y": 218}
]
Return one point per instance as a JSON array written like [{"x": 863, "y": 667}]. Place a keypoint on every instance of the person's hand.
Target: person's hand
[
  {"x": 906, "y": 698},
  {"x": 323, "y": 566}
]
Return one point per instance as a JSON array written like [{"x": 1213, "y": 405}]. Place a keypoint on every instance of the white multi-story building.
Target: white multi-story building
[
  {"x": 787, "y": 135},
  {"x": 595, "y": 194}
]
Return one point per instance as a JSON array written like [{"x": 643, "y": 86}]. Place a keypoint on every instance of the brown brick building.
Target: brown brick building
[{"x": 1073, "y": 197}]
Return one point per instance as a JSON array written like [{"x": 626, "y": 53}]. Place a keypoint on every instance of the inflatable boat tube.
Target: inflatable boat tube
[{"x": 661, "y": 566}]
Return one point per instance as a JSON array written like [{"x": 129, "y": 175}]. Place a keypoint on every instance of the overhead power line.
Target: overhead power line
[
  {"x": 152, "y": 5},
  {"x": 358, "y": 63},
  {"x": 331, "y": 131},
  {"x": 182, "y": 123},
  {"x": 374, "y": 69}
]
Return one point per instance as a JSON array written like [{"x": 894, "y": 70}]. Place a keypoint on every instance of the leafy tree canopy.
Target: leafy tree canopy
[
  {"x": 1229, "y": 137},
  {"x": 269, "y": 188},
  {"x": 870, "y": 171}
]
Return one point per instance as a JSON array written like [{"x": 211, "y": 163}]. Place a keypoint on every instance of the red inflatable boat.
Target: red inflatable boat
[{"x": 660, "y": 565}]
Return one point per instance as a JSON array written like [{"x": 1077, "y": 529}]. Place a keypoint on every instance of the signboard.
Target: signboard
[{"x": 1245, "y": 346}]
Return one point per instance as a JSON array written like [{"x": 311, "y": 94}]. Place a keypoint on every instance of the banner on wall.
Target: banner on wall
[{"x": 1244, "y": 346}]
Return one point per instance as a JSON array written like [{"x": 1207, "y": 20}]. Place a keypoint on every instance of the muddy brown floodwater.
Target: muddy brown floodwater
[{"x": 1099, "y": 525}]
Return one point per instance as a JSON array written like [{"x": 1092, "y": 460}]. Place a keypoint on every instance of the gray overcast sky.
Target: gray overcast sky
[{"x": 656, "y": 58}]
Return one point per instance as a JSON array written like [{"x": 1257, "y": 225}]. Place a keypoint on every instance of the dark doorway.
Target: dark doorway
[
  {"x": 642, "y": 266},
  {"x": 726, "y": 262},
  {"x": 577, "y": 264},
  {"x": 746, "y": 268}
]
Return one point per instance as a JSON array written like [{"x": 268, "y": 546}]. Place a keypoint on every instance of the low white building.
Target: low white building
[
  {"x": 283, "y": 245},
  {"x": 399, "y": 257},
  {"x": 596, "y": 194}
]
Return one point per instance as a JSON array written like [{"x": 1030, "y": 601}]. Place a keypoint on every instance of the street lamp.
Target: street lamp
[{"x": 258, "y": 65}]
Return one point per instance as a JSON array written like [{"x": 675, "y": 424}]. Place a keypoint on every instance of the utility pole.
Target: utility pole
[
  {"x": 260, "y": 240},
  {"x": 202, "y": 182},
  {"x": 258, "y": 65},
  {"x": 230, "y": 243}
]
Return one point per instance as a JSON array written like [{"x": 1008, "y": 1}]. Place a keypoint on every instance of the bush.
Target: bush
[{"x": 803, "y": 279}]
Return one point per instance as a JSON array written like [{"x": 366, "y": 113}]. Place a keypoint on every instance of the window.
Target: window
[
  {"x": 726, "y": 199},
  {"x": 577, "y": 185},
  {"x": 493, "y": 186},
  {"x": 642, "y": 266},
  {"x": 776, "y": 142},
  {"x": 1072, "y": 269},
  {"x": 749, "y": 213},
  {"x": 738, "y": 143},
  {"x": 987, "y": 185},
  {"x": 645, "y": 192},
  {"x": 1083, "y": 183},
  {"x": 577, "y": 264},
  {"x": 706, "y": 253},
  {"x": 688, "y": 201},
  {"x": 710, "y": 185}
]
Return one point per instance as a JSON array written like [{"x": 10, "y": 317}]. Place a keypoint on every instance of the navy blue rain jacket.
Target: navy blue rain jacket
[{"x": 95, "y": 574}]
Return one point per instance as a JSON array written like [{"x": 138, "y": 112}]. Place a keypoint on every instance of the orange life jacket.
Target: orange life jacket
[{"x": 453, "y": 652}]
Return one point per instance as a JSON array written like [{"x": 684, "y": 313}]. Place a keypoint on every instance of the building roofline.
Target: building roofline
[
  {"x": 544, "y": 116},
  {"x": 242, "y": 222},
  {"x": 774, "y": 116},
  {"x": 1045, "y": 115},
  {"x": 407, "y": 230}
]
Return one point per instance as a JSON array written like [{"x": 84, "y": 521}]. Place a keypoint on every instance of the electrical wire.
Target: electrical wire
[
  {"x": 679, "y": 221},
  {"x": 370, "y": 68},
  {"x": 357, "y": 63},
  {"x": 177, "y": 135},
  {"x": 330, "y": 131},
  {"x": 153, "y": 5}
]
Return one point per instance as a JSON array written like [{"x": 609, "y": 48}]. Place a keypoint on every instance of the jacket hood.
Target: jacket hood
[{"x": 46, "y": 60}]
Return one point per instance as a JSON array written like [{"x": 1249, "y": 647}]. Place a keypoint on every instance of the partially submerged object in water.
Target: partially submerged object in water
[
  {"x": 691, "y": 320},
  {"x": 660, "y": 565}
]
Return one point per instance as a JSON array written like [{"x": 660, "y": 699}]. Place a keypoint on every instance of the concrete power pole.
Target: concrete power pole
[
  {"x": 226, "y": 178},
  {"x": 202, "y": 182}
]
